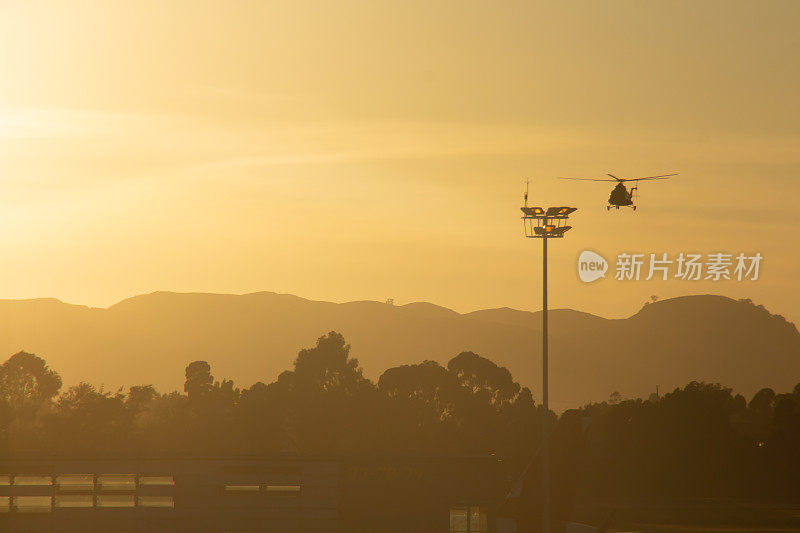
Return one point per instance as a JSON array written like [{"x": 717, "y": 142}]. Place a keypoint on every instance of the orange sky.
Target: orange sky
[{"x": 370, "y": 150}]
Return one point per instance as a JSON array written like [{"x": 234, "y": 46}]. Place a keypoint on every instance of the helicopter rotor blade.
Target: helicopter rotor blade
[
  {"x": 586, "y": 179},
  {"x": 659, "y": 176},
  {"x": 616, "y": 178},
  {"x": 663, "y": 177}
]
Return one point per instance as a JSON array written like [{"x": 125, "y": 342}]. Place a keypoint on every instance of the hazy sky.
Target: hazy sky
[{"x": 370, "y": 150}]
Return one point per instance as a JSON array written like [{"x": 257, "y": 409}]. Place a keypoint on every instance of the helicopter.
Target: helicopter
[{"x": 620, "y": 195}]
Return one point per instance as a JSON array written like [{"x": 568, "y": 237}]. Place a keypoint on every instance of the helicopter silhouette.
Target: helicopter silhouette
[{"x": 620, "y": 195}]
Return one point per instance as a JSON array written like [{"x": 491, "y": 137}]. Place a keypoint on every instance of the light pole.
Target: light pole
[{"x": 545, "y": 224}]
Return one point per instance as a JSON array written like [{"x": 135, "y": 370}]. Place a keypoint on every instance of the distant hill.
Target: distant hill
[{"x": 254, "y": 337}]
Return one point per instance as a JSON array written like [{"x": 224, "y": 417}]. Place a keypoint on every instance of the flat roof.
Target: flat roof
[{"x": 86, "y": 456}]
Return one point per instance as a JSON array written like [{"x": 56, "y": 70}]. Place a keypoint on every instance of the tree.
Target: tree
[
  {"x": 331, "y": 403},
  {"x": 199, "y": 380},
  {"x": 755, "y": 421},
  {"x": 328, "y": 366},
  {"x": 140, "y": 396},
  {"x": 264, "y": 414},
  {"x": 90, "y": 418},
  {"x": 428, "y": 383},
  {"x": 26, "y": 379},
  {"x": 420, "y": 402},
  {"x": 762, "y": 401},
  {"x": 784, "y": 438},
  {"x": 483, "y": 378}
]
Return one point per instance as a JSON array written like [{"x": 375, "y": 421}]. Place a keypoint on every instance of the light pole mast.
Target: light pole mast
[
  {"x": 545, "y": 224},
  {"x": 545, "y": 400}
]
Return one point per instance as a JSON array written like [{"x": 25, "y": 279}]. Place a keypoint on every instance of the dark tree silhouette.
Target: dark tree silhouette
[
  {"x": 140, "y": 397},
  {"x": 482, "y": 378},
  {"x": 199, "y": 380},
  {"x": 699, "y": 440},
  {"x": 428, "y": 384},
  {"x": 26, "y": 378},
  {"x": 328, "y": 367}
]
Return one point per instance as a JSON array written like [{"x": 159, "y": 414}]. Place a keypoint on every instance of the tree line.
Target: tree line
[{"x": 700, "y": 440}]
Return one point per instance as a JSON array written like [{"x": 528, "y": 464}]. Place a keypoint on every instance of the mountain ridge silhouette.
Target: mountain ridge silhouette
[{"x": 253, "y": 337}]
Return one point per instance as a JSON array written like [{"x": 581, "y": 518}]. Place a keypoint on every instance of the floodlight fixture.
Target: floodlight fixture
[{"x": 546, "y": 223}]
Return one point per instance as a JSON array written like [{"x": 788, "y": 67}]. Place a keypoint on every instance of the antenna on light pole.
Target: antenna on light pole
[
  {"x": 527, "y": 184},
  {"x": 545, "y": 224}
]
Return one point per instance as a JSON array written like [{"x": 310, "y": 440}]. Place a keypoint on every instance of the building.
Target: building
[{"x": 250, "y": 493}]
